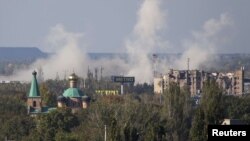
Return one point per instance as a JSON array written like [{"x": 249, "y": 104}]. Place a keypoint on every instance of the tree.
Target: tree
[
  {"x": 197, "y": 132},
  {"x": 212, "y": 103},
  {"x": 62, "y": 136},
  {"x": 210, "y": 111},
  {"x": 237, "y": 107},
  {"x": 18, "y": 127},
  {"x": 48, "y": 98},
  {"x": 58, "y": 120},
  {"x": 177, "y": 111}
]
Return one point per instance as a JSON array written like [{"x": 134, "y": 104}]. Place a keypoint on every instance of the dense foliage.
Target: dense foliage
[{"x": 137, "y": 116}]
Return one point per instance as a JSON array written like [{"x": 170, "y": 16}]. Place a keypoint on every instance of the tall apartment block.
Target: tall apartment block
[{"x": 231, "y": 83}]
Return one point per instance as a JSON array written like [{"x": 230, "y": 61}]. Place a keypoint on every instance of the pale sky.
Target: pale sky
[{"x": 106, "y": 24}]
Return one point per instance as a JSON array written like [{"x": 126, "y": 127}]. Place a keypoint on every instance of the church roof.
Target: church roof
[
  {"x": 73, "y": 76},
  {"x": 73, "y": 92},
  {"x": 34, "y": 89}
]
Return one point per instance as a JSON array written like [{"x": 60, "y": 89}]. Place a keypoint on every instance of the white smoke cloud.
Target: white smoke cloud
[
  {"x": 204, "y": 44},
  {"x": 145, "y": 38},
  {"x": 151, "y": 20},
  {"x": 58, "y": 38},
  {"x": 68, "y": 57}
]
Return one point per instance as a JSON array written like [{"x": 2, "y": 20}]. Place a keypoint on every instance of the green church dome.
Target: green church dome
[
  {"x": 73, "y": 92},
  {"x": 34, "y": 88}
]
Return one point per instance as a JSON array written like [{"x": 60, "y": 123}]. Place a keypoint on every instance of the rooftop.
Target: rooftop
[
  {"x": 73, "y": 92},
  {"x": 34, "y": 89}
]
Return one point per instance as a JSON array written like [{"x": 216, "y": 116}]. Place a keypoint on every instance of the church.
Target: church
[{"x": 72, "y": 98}]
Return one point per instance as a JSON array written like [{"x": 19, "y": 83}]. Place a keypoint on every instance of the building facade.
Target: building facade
[
  {"x": 34, "y": 99},
  {"x": 231, "y": 83},
  {"x": 73, "y": 97}
]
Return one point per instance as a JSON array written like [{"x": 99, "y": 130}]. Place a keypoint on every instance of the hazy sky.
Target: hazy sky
[{"x": 106, "y": 24}]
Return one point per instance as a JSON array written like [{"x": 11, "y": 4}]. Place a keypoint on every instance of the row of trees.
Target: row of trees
[{"x": 132, "y": 117}]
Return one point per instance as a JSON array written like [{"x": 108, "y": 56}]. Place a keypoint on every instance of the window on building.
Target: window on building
[{"x": 34, "y": 103}]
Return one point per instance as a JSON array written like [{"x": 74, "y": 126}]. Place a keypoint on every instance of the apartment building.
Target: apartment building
[{"x": 232, "y": 83}]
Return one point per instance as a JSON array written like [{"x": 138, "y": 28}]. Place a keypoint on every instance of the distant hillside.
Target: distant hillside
[{"x": 21, "y": 53}]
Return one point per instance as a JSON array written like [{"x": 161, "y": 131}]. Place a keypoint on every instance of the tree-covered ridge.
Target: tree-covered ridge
[{"x": 137, "y": 116}]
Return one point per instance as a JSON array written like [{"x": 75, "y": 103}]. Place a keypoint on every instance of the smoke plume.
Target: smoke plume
[
  {"x": 68, "y": 57},
  {"x": 150, "y": 21},
  {"x": 140, "y": 45},
  {"x": 145, "y": 38},
  {"x": 204, "y": 44}
]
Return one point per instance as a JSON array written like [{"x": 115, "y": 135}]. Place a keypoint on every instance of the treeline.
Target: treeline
[{"x": 133, "y": 117}]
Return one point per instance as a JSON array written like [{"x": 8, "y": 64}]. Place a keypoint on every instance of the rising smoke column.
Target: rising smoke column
[
  {"x": 204, "y": 44},
  {"x": 67, "y": 58},
  {"x": 144, "y": 38}
]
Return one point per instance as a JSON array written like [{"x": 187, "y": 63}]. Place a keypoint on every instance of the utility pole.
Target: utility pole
[
  {"x": 84, "y": 85},
  {"x": 121, "y": 88},
  {"x": 57, "y": 76},
  {"x": 105, "y": 135},
  {"x": 96, "y": 74},
  {"x": 101, "y": 72},
  {"x": 154, "y": 62},
  {"x": 65, "y": 75},
  {"x": 160, "y": 98}
]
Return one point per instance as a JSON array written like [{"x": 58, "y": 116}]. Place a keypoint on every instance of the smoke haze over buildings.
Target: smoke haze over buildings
[
  {"x": 145, "y": 38},
  {"x": 141, "y": 43},
  {"x": 67, "y": 57}
]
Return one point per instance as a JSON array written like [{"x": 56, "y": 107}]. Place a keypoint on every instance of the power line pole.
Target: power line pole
[
  {"x": 101, "y": 71},
  {"x": 105, "y": 135},
  {"x": 121, "y": 88}
]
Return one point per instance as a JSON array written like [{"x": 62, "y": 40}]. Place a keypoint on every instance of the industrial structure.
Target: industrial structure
[{"x": 232, "y": 83}]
